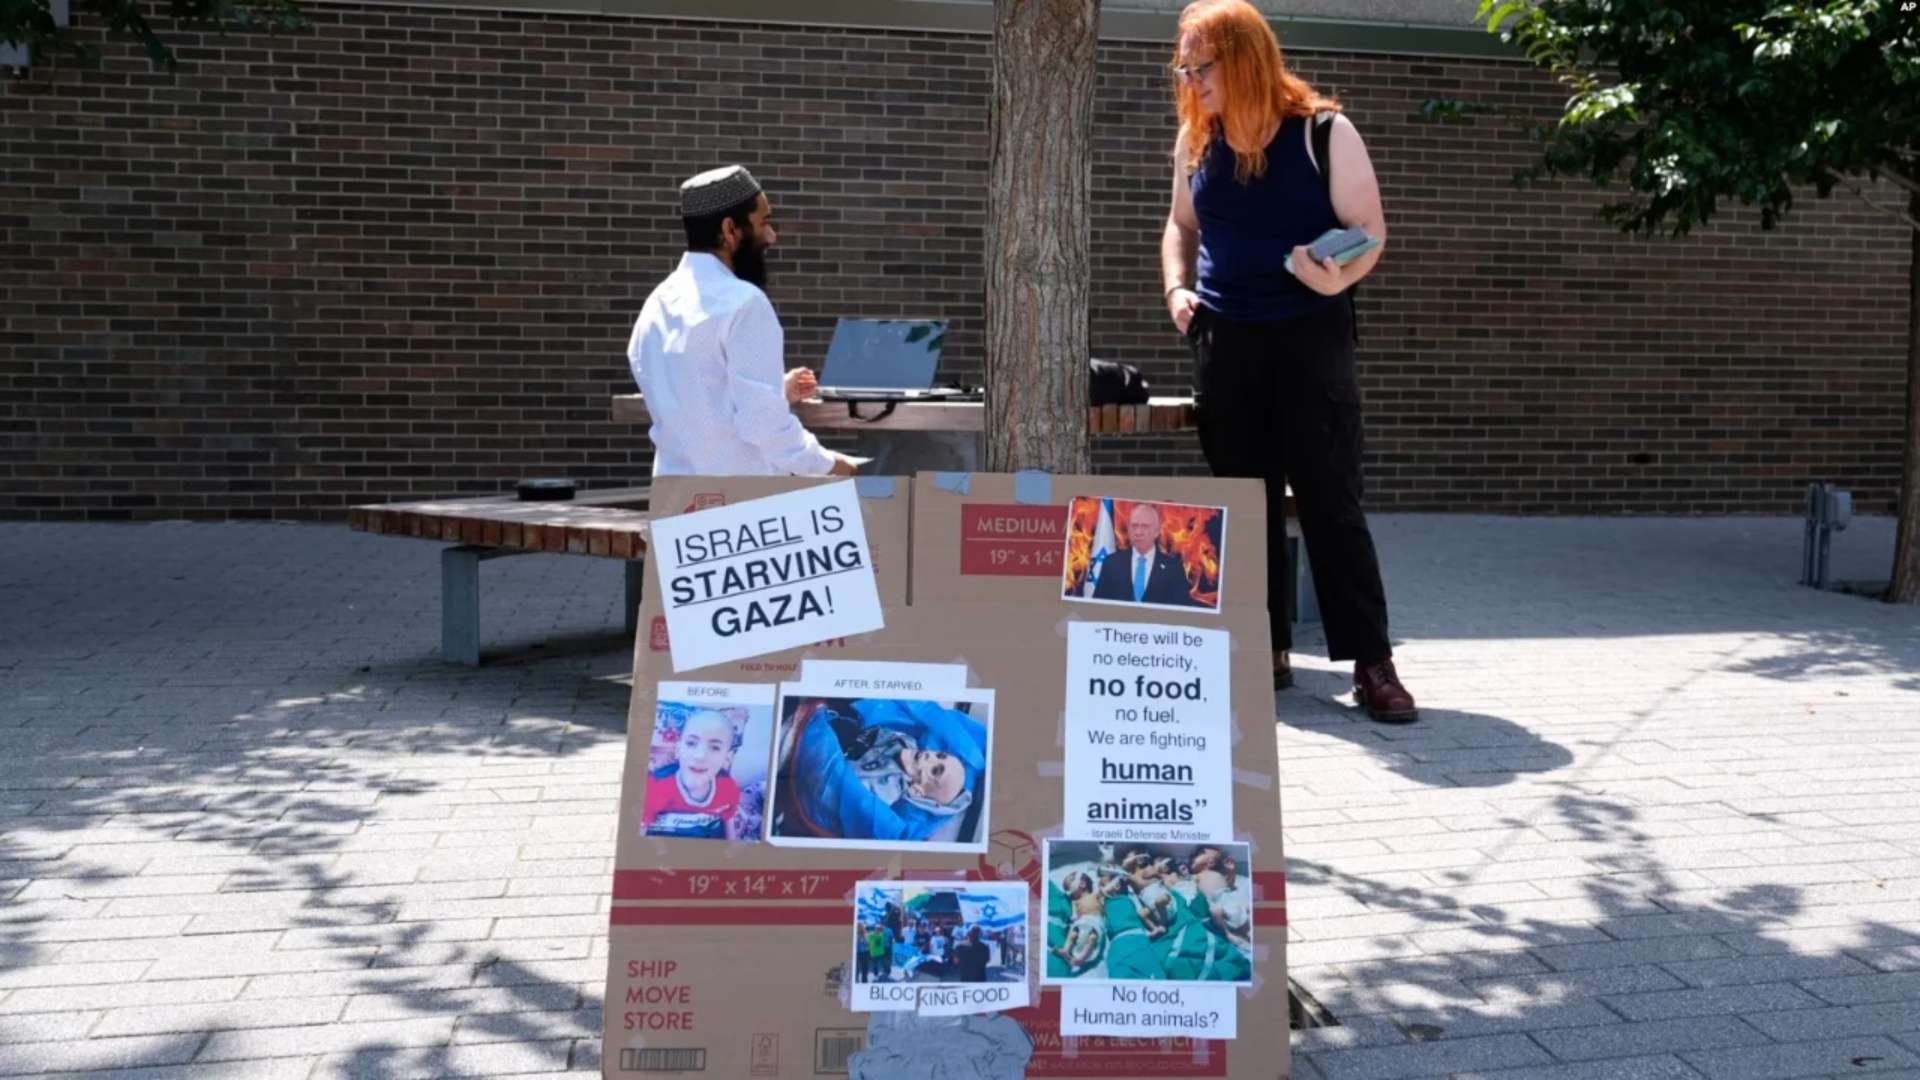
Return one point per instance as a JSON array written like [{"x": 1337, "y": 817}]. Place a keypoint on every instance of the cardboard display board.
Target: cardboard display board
[{"x": 766, "y": 910}]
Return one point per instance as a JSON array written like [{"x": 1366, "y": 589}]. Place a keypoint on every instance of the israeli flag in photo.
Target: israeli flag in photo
[
  {"x": 1104, "y": 545},
  {"x": 990, "y": 911}
]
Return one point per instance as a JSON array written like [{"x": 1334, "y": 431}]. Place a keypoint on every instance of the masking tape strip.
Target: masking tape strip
[
  {"x": 1261, "y": 780},
  {"x": 959, "y": 483},
  {"x": 1051, "y": 768},
  {"x": 1033, "y": 486},
  {"x": 874, "y": 487}
]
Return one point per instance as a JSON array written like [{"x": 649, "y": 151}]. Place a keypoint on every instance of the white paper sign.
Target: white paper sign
[
  {"x": 938, "y": 1000},
  {"x": 765, "y": 575},
  {"x": 972, "y": 1000},
  {"x": 884, "y": 997},
  {"x": 864, "y": 676},
  {"x": 1149, "y": 733},
  {"x": 1150, "y": 1010}
]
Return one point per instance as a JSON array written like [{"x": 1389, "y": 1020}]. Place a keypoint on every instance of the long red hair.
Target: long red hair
[{"x": 1257, "y": 90}]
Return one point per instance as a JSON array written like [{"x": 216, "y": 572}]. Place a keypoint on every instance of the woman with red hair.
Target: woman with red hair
[{"x": 1275, "y": 386}]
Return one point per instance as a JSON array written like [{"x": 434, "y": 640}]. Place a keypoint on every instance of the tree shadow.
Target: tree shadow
[
  {"x": 1631, "y": 969},
  {"x": 1837, "y": 654},
  {"x": 222, "y": 850},
  {"x": 280, "y": 835}
]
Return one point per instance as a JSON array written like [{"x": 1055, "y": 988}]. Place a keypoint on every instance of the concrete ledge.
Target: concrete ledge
[{"x": 1308, "y": 32}]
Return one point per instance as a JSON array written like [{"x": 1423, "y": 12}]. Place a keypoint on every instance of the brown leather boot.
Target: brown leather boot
[
  {"x": 1377, "y": 686},
  {"x": 1282, "y": 671}
]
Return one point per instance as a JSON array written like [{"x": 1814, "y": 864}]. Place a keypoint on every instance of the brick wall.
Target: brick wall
[{"x": 399, "y": 257}]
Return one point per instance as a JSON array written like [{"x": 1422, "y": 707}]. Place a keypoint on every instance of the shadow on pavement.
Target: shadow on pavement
[{"x": 1634, "y": 968}]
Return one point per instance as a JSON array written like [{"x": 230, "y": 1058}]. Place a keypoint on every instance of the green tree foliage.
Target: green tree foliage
[
  {"x": 32, "y": 23},
  {"x": 1687, "y": 105}
]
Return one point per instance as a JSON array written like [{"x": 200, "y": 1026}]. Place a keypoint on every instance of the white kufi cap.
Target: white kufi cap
[{"x": 717, "y": 191}]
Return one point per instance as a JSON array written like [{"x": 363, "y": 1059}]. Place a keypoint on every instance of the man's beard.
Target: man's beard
[{"x": 750, "y": 263}]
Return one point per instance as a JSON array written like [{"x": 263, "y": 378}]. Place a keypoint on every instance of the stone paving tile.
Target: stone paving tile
[
  {"x": 1853, "y": 1057},
  {"x": 1635, "y": 1068},
  {"x": 66, "y": 1055},
  {"x": 1730, "y": 1001},
  {"x": 1657, "y": 789},
  {"x": 1765, "y": 969},
  {"x": 256, "y": 1069},
  {"x": 1847, "y": 990},
  {"x": 1651, "y": 1036},
  {"x": 1805, "y": 1025},
  {"x": 1441, "y": 1058}
]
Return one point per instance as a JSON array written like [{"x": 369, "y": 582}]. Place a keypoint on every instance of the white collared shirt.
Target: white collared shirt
[{"x": 709, "y": 357}]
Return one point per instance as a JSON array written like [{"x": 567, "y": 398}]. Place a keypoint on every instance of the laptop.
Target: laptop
[{"x": 886, "y": 360}]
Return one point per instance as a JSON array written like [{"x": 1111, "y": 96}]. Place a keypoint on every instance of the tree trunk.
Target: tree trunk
[
  {"x": 1906, "y": 540},
  {"x": 1038, "y": 234}
]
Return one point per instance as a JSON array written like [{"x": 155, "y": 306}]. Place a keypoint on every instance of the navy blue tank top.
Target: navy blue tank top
[{"x": 1247, "y": 230}]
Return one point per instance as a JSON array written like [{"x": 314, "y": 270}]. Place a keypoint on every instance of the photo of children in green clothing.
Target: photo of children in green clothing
[{"x": 1135, "y": 911}]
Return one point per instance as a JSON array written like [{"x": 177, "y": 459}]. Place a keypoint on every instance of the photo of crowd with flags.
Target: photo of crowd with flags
[
  {"x": 934, "y": 933},
  {"x": 1148, "y": 554}
]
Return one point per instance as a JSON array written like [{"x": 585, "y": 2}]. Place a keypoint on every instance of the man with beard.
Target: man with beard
[{"x": 708, "y": 352}]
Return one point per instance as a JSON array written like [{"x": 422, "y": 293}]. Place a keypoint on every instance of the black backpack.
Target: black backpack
[
  {"x": 1110, "y": 382},
  {"x": 1322, "y": 141}
]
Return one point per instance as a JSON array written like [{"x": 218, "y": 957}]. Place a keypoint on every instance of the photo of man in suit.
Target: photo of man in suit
[{"x": 1142, "y": 573}]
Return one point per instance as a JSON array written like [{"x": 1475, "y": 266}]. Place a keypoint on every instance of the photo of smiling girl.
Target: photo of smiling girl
[{"x": 707, "y": 767}]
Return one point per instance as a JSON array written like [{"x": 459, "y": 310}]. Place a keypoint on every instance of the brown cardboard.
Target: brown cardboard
[
  {"x": 726, "y": 959},
  {"x": 1001, "y": 542}
]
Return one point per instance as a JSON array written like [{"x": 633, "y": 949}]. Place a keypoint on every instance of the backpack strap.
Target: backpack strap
[
  {"x": 1322, "y": 140},
  {"x": 1322, "y": 143}
]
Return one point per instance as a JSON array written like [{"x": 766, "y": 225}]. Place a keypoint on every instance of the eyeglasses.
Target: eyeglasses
[{"x": 1193, "y": 73}]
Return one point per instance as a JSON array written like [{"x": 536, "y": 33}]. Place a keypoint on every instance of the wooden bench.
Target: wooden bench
[
  {"x": 608, "y": 524},
  {"x": 613, "y": 523}
]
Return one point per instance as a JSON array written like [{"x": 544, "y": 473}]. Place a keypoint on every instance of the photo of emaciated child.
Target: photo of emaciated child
[{"x": 882, "y": 772}]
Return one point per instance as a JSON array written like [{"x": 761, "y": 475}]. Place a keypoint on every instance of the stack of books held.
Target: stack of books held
[{"x": 1341, "y": 245}]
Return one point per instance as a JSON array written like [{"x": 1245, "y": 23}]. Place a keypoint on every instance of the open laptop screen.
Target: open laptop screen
[{"x": 883, "y": 354}]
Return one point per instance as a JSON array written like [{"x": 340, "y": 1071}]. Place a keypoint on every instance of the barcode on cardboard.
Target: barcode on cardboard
[
  {"x": 834, "y": 1047},
  {"x": 663, "y": 1060}
]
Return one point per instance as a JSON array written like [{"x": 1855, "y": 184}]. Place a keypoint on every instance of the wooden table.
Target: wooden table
[
  {"x": 608, "y": 524},
  {"x": 1161, "y": 414},
  {"x": 941, "y": 436}
]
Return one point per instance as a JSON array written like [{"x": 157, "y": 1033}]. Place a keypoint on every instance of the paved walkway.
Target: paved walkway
[{"x": 1662, "y": 817}]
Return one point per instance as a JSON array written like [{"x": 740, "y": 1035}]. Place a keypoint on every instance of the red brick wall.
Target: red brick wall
[{"x": 399, "y": 257}]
